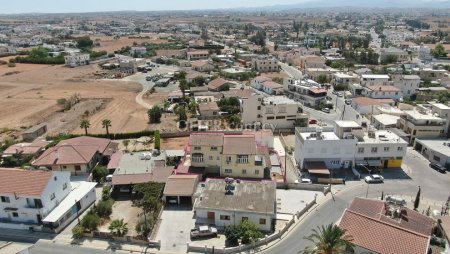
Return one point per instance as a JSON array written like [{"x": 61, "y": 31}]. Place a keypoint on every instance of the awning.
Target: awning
[
  {"x": 10, "y": 209},
  {"x": 317, "y": 168},
  {"x": 374, "y": 163}
]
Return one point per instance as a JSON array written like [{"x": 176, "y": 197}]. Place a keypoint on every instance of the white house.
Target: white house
[
  {"x": 382, "y": 92},
  {"x": 374, "y": 79},
  {"x": 44, "y": 199},
  {"x": 274, "y": 112},
  {"x": 267, "y": 85},
  {"x": 265, "y": 63},
  {"x": 408, "y": 84},
  {"x": 229, "y": 202},
  {"x": 76, "y": 59},
  {"x": 307, "y": 91}
]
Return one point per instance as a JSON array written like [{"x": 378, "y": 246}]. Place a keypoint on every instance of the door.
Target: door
[{"x": 211, "y": 215}]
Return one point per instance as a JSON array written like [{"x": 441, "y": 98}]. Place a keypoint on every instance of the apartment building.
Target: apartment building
[
  {"x": 266, "y": 85},
  {"x": 45, "y": 200},
  {"x": 408, "y": 84},
  {"x": 311, "y": 61},
  {"x": 374, "y": 80},
  {"x": 425, "y": 121},
  {"x": 400, "y": 55},
  {"x": 307, "y": 91},
  {"x": 382, "y": 92},
  {"x": 431, "y": 74},
  {"x": 228, "y": 155},
  {"x": 138, "y": 51},
  {"x": 197, "y": 55},
  {"x": 76, "y": 59},
  {"x": 274, "y": 112},
  {"x": 265, "y": 63},
  {"x": 344, "y": 79}
]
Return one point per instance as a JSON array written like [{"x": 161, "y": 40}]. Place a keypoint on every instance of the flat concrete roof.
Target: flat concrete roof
[
  {"x": 386, "y": 119},
  {"x": 324, "y": 136},
  {"x": 383, "y": 136},
  {"x": 347, "y": 124},
  {"x": 436, "y": 145},
  {"x": 131, "y": 163}
]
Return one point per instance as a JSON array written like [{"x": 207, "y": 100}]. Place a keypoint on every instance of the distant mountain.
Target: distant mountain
[{"x": 313, "y": 4}]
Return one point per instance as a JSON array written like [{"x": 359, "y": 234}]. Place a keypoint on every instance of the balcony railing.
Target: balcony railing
[{"x": 197, "y": 159}]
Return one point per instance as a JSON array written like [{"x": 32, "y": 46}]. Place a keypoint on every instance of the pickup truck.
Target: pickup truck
[{"x": 203, "y": 231}]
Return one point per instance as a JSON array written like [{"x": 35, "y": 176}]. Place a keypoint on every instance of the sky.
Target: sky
[
  {"x": 67, "y": 6},
  {"x": 58, "y": 6}
]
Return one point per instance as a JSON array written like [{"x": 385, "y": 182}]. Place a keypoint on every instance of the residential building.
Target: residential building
[
  {"x": 219, "y": 84},
  {"x": 208, "y": 110},
  {"x": 376, "y": 226},
  {"x": 197, "y": 55},
  {"x": 382, "y": 92},
  {"x": 267, "y": 85},
  {"x": 319, "y": 149},
  {"x": 424, "y": 122},
  {"x": 181, "y": 189},
  {"x": 436, "y": 150},
  {"x": 385, "y": 121},
  {"x": 229, "y": 202},
  {"x": 257, "y": 82},
  {"x": 138, "y": 51},
  {"x": 339, "y": 79},
  {"x": 395, "y": 53},
  {"x": 202, "y": 66},
  {"x": 444, "y": 227},
  {"x": 76, "y": 59},
  {"x": 228, "y": 155},
  {"x": 374, "y": 79},
  {"x": 430, "y": 74},
  {"x": 130, "y": 65},
  {"x": 311, "y": 61},
  {"x": 430, "y": 93},
  {"x": 34, "y": 132},
  {"x": 307, "y": 91},
  {"x": 364, "y": 105},
  {"x": 42, "y": 199},
  {"x": 265, "y": 63},
  {"x": 408, "y": 84},
  {"x": 274, "y": 112},
  {"x": 25, "y": 149},
  {"x": 77, "y": 155}
]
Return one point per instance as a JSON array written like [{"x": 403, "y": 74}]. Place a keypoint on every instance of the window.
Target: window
[
  {"x": 256, "y": 171},
  {"x": 213, "y": 148},
  {"x": 244, "y": 171},
  {"x": 77, "y": 168},
  {"x": 64, "y": 167},
  {"x": 55, "y": 178},
  {"x": 269, "y": 110},
  {"x": 242, "y": 159},
  {"x": 374, "y": 149},
  {"x": 224, "y": 217},
  {"x": 386, "y": 149},
  {"x": 360, "y": 149},
  {"x": 280, "y": 117},
  {"x": 52, "y": 196},
  {"x": 64, "y": 186},
  {"x": 270, "y": 118},
  {"x": 262, "y": 221},
  {"x": 197, "y": 148},
  {"x": 228, "y": 171},
  {"x": 400, "y": 148},
  {"x": 15, "y": 214},
  {"x": 259, "y": 108},
  {"x": 5, "y": 199},
  {"x": 210, "y": 158},
  {"x": 436, "y": 158}
]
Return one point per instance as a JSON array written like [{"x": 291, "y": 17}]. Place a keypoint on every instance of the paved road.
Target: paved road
[
  {"x": 292, "y": 71},
  {"x": 435, "y": 187},
  {"x": 44, "y": 247}
]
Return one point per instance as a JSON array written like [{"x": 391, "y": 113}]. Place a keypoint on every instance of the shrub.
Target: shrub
[
  {"x": 145, "y": 225},
  {"x": 11, "y": 64},
  {"x": 99, "y": 173},
  {"x": 90, "y": 221},
  {"x": 247, "y": 231},
  {"x": 78, "y": 232},
  {"x": 104, "y": 207},
  {"x": 118, "y": 228},
  {"x": 233, "y": 234},
  {"x": 157, "y": 140},
  {"x": 154, "y": 114},
  {"x": 105, "y": 192}
]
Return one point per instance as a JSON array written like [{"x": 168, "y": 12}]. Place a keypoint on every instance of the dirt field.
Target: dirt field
[
  {"x": 174, "y": 143},
  {"x": 30, "y": 97},
  {"x": 109, "y": 44}
]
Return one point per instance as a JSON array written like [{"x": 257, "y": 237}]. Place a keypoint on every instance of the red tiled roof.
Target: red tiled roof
[
  {"x": 216, "y": 83},
  {"x": 24, "y": 182},
  {"x": 115, "y": 159},
  {"x": 159, "y": 174},
  {"x": 364, "y": 101},
  {"x": 318, "y": 90},
  {"x": 181, "y": 185},
  {"x": 206, "y": 139},
  {"x": 384, "y": 88},
  {"x": 22, "y": 148},
  {"x": 366, "y": 222}
]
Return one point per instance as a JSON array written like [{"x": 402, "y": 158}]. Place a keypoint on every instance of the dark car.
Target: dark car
[{"x": 438, "y": 167}]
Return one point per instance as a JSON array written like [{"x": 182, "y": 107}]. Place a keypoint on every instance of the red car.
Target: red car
[{"x": 312, "y": 121}]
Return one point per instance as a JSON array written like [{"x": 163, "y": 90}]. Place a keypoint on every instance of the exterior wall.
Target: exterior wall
[
  {"x": 333, "y": 152},
  {"x": 211, "y": 158},
  {"x": 265, "y": 64},
  {"x": 374, "y": 81},
  {"x": 382, "y": 94},
  {"x": 421, "y": 131},
  {"x": 204, "y": 68},
  {"x": 76, "y": 60},
  {"x": 407, "y": 86},
  {"x": 236, "y": 217},
  {"x": 197, "y": 56},
  {"x": 244, "y": 170},
  {"x": 25, "y": 204},
  {"x": 393, "y": 155}
]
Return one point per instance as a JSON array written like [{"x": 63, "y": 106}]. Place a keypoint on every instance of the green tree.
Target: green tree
[
  {"x": 182, "y": 116},
  {"x": 157, "y": 140},
  {"x": 439, "y": 51},
  {"x": 85, "y": 124},
  {"x": 329, "y": 239},
  {"x": 417, "y": 200},
  {"x": 84, "y": 42},
  {"x": 233, "y": 233},
  {"x": 144, "y": 225},
  {"x": 234, "y": 121},
  {"x": 99, "y": 173},
  {"x": 118, "y": 228},
  {"x": 125, "y": 143},
  {"x": 104, "y": 208},
  {"x": 322, "y": 78},
  {"x": 154, "y": 114},
  {"x": 90, "y": 221},
  {"x": 106, "y": 123},
  {"x": 78, "y": 232},
  {"x": 183, "y": 87},
  {"x": 250, "y": 232},
  {"x": 225, "y": 87}
]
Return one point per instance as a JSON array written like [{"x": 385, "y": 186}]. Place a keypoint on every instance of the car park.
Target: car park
[
  {"x": 438, "y": 167},
  {"x": 374, "y": 179}
]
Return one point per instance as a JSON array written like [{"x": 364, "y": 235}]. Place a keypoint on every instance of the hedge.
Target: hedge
[{"x": 56, "y": 139}]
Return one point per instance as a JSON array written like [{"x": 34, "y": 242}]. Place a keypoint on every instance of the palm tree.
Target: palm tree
[
  {"x": 118, "y": 228},
  {"x": 85, "y": 124},
  {"x": 126, "y": 142},
  {"x": 329, "y": 239},
  {"x": 106, "y": 123},
  {"x": 183, "y": 87}
]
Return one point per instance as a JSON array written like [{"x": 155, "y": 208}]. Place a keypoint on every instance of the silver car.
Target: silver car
[{"x": 374, "y": 179}]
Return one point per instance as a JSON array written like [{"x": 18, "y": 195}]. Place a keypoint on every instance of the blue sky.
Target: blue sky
[{"x": 46, "y": 6}]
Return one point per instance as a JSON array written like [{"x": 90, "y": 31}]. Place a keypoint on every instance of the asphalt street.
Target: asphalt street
[{"x": 434, "y": 186}]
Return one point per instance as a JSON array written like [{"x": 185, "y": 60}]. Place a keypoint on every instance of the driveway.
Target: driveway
[{"x": 174, "y": 230}]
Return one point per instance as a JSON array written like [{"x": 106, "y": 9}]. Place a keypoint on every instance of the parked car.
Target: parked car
[
  {"x": 438, "y": 167},
  {"x": 312, "y": 121},
  {"x": 203, "y": 231},
  {"x": 374, "y": 179},
  {"x": 306, "y": 180},
  {"x": 326, "y": 110},
  {"x": 148, "y": 78}
]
